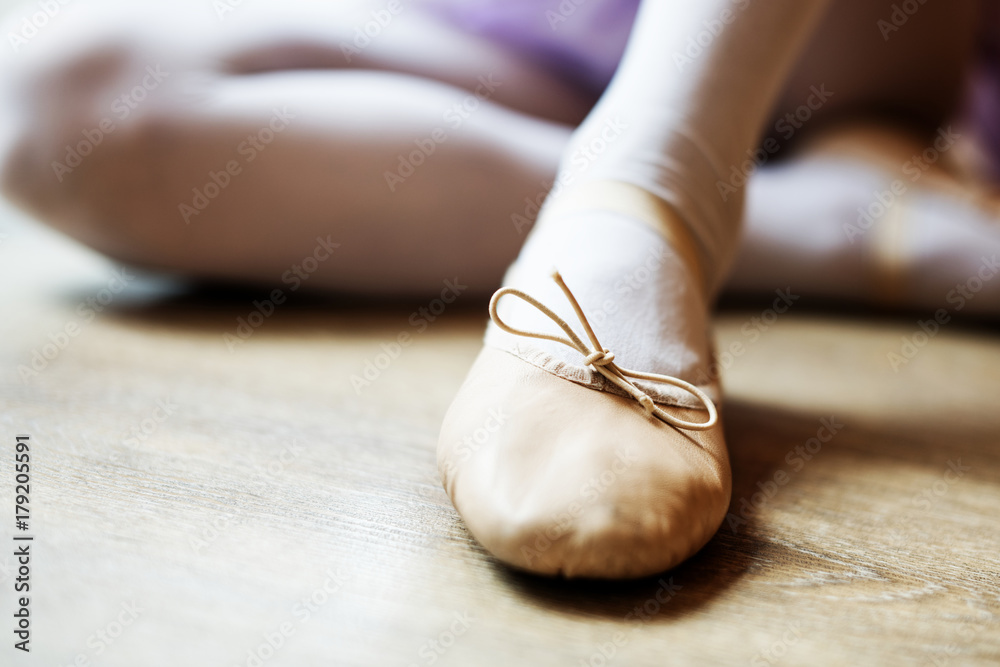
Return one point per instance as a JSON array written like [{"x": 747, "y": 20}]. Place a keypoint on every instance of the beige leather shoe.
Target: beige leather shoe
[{"x": 557, "y": 478}]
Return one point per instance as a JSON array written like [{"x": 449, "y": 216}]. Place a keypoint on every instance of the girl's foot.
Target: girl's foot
[{"x": 554, "y": 468}]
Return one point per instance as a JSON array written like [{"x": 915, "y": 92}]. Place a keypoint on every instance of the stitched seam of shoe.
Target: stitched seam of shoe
[{"x": 581, "y": 375}]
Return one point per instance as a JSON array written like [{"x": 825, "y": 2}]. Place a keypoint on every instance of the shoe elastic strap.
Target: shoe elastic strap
[{"x": 601, "y": 359}]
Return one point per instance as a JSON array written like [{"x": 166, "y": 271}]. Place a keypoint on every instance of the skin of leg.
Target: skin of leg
[{"x": 344, "y": 126}]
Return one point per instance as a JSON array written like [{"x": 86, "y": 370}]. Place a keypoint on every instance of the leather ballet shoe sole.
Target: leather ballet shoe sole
[{"x": 558, "y": 479}]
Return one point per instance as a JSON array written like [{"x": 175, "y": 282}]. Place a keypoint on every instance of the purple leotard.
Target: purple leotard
[
  {"x": 982, "y": 102},
  {"x": 581, "y": 40}
]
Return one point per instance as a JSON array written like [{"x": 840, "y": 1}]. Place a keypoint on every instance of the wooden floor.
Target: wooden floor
[{"x": 193, "y": 505}]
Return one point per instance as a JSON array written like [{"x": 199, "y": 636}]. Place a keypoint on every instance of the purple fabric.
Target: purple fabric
[
  {"x": 982, "y": 107},
  {"x": 582, "y": 40}
]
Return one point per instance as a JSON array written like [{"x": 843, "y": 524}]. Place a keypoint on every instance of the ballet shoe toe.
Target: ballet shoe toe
[{"x": 559, "y": 479}]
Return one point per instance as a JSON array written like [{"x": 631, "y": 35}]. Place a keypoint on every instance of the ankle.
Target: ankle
[
  {"x": 639, "y": 204},
  {"x": 635, "y": 287}
]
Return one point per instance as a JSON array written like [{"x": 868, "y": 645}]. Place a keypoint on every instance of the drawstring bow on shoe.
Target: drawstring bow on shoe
[{"x": 602, "y": 360}]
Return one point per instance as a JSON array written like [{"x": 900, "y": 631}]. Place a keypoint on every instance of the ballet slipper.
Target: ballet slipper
[{"x": 554, "y": 477}]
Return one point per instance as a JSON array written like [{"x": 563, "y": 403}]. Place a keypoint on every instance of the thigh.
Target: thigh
[{"x": 107, "y": 39}]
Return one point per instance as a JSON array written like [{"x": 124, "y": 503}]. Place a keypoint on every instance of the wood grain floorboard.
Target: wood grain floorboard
[{"x": 275, "y": 503}]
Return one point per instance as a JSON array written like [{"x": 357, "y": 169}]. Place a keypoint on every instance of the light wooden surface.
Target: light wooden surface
[{"x": 871, "y": 553}]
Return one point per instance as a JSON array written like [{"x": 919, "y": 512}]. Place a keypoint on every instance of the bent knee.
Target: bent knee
[{"x": 74, "y": 101}]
